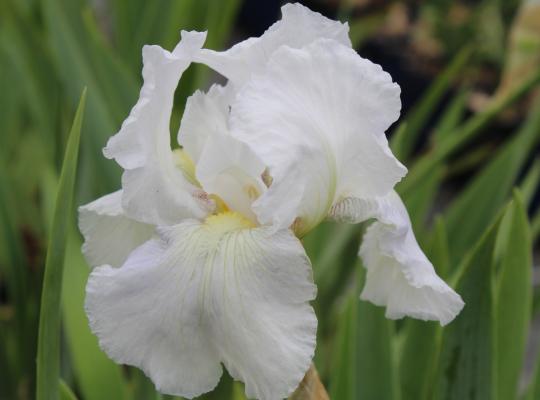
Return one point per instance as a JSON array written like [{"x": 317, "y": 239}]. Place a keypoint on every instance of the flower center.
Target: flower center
[
  {"x": 227, "y": 221},
  {"x": 231, "y": 189}
]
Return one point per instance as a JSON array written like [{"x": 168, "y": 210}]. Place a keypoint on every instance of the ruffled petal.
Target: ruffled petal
[
  {"x": 109, "y": 236},
  {"x": 399, "y": 275},
  {"x": 209, "y": 292},
  {"x": 316, "y": 117},
  {"x": 155, "y": 190},
  {"x": 299, "y": 26},
  {"x": 225, "y": 166},
  {"x": 204, "y": 114}
]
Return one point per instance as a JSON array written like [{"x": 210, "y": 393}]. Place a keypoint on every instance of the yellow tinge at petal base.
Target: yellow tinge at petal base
[
  {"x": 227, "y": 221},
  {"x": 183, "y": 161}
]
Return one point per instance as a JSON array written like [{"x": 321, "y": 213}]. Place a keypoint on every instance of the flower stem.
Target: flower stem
[{"x": 311, "y": 387}]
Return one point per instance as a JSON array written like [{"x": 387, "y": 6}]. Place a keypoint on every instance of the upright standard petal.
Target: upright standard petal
[
  {"x": 224, "y": 166},
  {"x": 205, "y": 293},
  {"x": 109, "y": 236},
  {"x": 204, "y": 114},
  {"x": 299, "y": 26},
  {"x": 316, "y": 117},
  {"x": 399, "y": 275},
  {"x": 155, "y": 190}
]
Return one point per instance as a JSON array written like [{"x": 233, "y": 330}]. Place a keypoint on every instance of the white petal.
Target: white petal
[
  {"x": 155, "y": 190},
  {"x": 316, "y": 117},
  {"x": 205, "y": 293},
  {"x": 399, "y": 275},
  {"x": 230, "y": 169},
  {"x": 109, "y": 235},
  {"x": 298, "y": 27},
  {"x": 224, "y": 166},
  {"x": 204, "y": 114}
]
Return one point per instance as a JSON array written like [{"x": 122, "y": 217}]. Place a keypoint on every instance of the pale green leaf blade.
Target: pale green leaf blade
[
  {"x": 488, "y": 191},
  {"x": 514, "y": 298},
  {"x": 97, "y": 376},
  {"x": 467, "y": 364},
  {"x": 363, "y": 365},
  {"x": 403, "y": 142},
  {"x": 462, "y": 135},
  {"x": 48, "y": 355},
  {"x": 420, "y": 339},
  {"x": 65, "y": 392}
]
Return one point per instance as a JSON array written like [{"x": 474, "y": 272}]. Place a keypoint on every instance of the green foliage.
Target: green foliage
[
  {"x": 467, "y": 364},
  {"x": 48, "y": 352},
  {"x": 514, "y": 297},
  {"x": 474, "y": 230},
  {"x": 363, "y": 365}
]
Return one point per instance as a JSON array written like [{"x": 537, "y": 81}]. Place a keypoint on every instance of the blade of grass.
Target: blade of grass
[
  {"x": 362, "y": 364},
  {"x": 403, "y": 142},
  {"x": 48, "y": 354},
  {"x": 487, "y": 192},
  {"x": 421, "y": 339},
  {"x": 421, "y": 201},
  {"x": 344, "y": 367},
  {"x": 377, "y": 370},
  {"x": 451, "y": 117},
  {"x": 74, "y": 67},
  {"x": 467, "y": 363},
  {"x": 514, "y": 298},
  {"x": 462, "y": 135},
  {"x": 65, "y": 392},
  {"x": 97, "y": 376}
]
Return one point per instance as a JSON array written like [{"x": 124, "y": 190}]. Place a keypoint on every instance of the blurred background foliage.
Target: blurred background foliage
[{"x": 469, "y": 133}]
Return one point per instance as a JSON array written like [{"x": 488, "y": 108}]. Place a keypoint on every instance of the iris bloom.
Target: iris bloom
[{"x": 197, "y": 259}]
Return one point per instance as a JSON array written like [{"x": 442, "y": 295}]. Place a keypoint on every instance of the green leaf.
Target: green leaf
[
  {"x": 332, "y": 265},
  {"x": 48, "y": 355},
  {"x": 363, "y": 366},
  {"x": 439, "y": 252},
  {"x": 97, "y": 376},
  {"x": 420, "y": 202},
  {"x": 462, "y": 135},
  {"x": 530, "y": 183},
  {"x": 489, "y": 189},
  {"x": 514, "y": 298},
  {"x": 451, "y": 117},
  {"x": 420, "y": 339},
  {"x": 142, "y": 386},
  {"x": 65, "y": 392},
  {"x": 467, "y": 364},
  {"x": 77, "y": 62},
  {"x": 418, "y": 359},
  {"x": 403, "y": 142}
]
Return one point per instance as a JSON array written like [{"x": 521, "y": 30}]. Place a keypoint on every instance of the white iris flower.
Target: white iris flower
[{"x": 197, "y": 259}]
